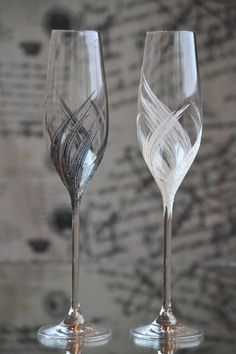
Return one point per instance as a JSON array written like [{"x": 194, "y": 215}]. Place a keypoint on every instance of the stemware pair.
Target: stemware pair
[{"x": 169, "y": 126}]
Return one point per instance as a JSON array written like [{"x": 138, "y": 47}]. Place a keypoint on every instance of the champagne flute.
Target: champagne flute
[
  {"x": 76, "y": 129},
  {"x": 169, "y": 129}
]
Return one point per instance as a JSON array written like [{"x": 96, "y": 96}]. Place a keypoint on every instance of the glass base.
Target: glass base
[
  {"x": 61, "y": 334},
  {"x": 155, "y": 335}
]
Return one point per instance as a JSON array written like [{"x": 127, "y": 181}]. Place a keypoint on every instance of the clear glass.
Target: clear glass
[
  {"x": 169, "y": 128},
  {"x": 76, "y": 129}
]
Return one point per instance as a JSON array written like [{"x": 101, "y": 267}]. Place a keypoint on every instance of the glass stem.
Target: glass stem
[
  {"x": 75, "y": 255},
  {"x": 166, "y": 316},
  {"x": 75, "y": 317},
  {"x": 167, "y": 257}
]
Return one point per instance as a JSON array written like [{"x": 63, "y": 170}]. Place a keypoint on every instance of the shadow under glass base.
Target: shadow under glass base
[
  {"x": 61, "y": 334},
  {"x": 154, "y": 335}
]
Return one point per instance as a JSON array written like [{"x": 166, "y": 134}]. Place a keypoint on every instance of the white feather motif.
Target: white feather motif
[{"x": 167, "y": 147}]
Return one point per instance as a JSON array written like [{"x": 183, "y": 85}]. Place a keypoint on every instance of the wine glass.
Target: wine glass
[
  {"x": 169, "y": 129},
  {"x": 76, "y": 129}
]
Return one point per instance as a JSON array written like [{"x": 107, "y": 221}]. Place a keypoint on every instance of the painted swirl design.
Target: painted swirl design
[
  {"x": 166, "y": 145},
  {"x": 72, "y": 143}
]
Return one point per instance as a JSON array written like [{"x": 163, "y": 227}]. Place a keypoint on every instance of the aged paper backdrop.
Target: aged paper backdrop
[{"x": 121, "y": 234}]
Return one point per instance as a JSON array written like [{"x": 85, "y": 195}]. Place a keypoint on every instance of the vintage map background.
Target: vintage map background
[{"x": 121, "y": 215}]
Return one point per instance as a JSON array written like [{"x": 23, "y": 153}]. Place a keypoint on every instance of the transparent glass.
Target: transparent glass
[
  {"x": 76, "y": 129},
  {"x": 169, "y": 129}
]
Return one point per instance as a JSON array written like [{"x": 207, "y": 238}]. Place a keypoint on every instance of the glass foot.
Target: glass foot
[
  {"x": 154, "y": 335},
  {"x": 61, "y": 334}
]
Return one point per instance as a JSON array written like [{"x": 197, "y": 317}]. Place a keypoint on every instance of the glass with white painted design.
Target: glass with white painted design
[
  {"x": 76, "y": 129},
  {"x": 169, "y": 129}
]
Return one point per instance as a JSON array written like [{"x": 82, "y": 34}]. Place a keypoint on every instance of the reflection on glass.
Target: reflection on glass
[{"x": 164, "y": 347}]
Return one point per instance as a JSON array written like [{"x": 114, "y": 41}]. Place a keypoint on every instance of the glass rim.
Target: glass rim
[
  {"x": 73, "y": 31},
  {"x": 169, "y": 32}
]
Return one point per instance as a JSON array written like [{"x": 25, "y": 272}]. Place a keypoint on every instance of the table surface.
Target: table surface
[{"x": 216, "y": 316}]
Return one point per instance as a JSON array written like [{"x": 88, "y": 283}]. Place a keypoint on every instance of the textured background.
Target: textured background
[{"x": 121, "y": 236}]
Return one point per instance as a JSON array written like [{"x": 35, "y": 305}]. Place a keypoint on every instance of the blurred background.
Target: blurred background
[{"x": 121, "y": 214}]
